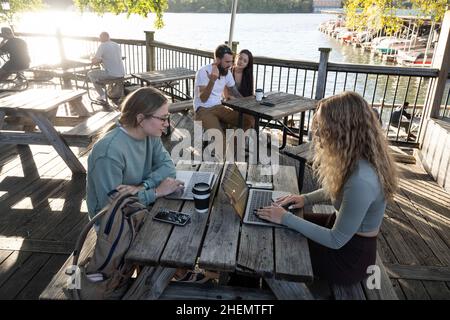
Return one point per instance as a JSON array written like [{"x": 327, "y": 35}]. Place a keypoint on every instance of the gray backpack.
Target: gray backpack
[{"x": 106, "y": 274}]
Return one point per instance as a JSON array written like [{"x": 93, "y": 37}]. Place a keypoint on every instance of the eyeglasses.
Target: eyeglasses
[{"x": 165, "y": 118}]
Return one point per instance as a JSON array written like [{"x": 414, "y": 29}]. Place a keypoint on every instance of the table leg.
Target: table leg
[
  {"x": 285, "y": 123},
  {"x": 2, "y": 118},
  {"x": 66, "y": 82},
  {"x": 171, "y": 93},
  {"x": 301, "y": 130},
  {"x": 257, "y": 138},
  {"x": 188, "y": 93},
  {"x": 150, "y": 283},
  {"x": 57, "y": 142},
  {"x": 240, "y": 120},
  {"x": 78, "y": 106}
]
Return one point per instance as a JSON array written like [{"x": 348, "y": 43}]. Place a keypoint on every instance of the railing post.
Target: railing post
[
  {"x": 150, "y": 52},
  {"x": 441, "y": 61},
  {"x": 234, "y": 46},
  {"x": 59, "y": 39},
  {"x": 322, "y": 73}
]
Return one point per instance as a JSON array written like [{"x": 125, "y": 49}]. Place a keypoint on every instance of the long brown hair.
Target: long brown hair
[
  {"x": 246, "y": 86},
  {"x": 346, "y": 130},
  {"x": 144, "y": 100}
]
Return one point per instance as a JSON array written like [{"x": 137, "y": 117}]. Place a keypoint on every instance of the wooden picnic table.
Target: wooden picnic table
[
  {"x": 285, "y": 104},
  {"x": 166, "y": 78},
  {"x": 219, "y": 241},
  {"x": 67, "y": 69},
  {"x": 38, "y": 107}
]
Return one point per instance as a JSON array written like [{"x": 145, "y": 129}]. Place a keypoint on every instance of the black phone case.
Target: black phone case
[
  {"x": 266, "y": 103},
  {"x": 173, "y": 217}
]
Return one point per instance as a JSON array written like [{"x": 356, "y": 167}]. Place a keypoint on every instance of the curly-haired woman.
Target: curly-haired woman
[{"x": 352, "y": 162}]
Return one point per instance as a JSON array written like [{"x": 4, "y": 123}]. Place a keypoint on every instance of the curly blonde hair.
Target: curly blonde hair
[{"x": 345, "y": 130}]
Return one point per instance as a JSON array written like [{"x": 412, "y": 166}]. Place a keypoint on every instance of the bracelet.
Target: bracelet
[{"x": 156, "y": 194}]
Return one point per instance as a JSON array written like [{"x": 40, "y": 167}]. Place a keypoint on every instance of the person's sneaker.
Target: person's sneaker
[{"x": 101, "y": 99}]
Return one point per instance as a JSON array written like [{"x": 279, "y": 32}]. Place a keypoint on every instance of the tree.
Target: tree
[
  {"x": 377, "y": 14},
  {"x": 140, "y": 7},
  {"x": 9, "y": 9}
]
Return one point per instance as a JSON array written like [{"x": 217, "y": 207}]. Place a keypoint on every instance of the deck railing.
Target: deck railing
[{"x": 384, "y": 87}]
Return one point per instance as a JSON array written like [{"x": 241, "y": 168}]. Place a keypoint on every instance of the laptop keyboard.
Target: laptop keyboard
[
  {"x": 259, "y": 199},
  {"x": 197, "y": 177}
]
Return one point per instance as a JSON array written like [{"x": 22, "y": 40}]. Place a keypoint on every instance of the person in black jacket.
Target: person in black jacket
[{"x": 17, "y": 49}]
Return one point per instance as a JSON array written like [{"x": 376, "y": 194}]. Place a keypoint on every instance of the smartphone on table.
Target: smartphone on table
[{"x": 171, "y": 216}]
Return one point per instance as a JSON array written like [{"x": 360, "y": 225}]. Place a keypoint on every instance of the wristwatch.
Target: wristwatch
[{"x": 146, "y": 185}]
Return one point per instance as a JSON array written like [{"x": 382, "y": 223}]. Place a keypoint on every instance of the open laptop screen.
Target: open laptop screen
[{"x": 235, "y": 188}]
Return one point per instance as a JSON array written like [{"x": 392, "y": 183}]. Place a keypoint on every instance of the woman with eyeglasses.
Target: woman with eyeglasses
[
  {"x": 354, "y": 167},
  {"x": 131, "y": 157}
]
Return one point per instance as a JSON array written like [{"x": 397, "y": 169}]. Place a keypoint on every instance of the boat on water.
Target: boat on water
[{"x": 418, "y": 57}]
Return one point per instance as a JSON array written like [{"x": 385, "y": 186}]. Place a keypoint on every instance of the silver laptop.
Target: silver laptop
[
  {"x": 245, "y": 200},
  {"x": 190, "y": 178}
]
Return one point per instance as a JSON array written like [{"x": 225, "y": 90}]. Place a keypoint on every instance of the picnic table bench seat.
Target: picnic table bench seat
[
  {"x": 180, "y": 106},
  {"x": 87, "y": 131},
  {"x": 360, "y": 291}
]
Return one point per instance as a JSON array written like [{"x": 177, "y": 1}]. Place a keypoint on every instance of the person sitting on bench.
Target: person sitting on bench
[
  {"x": 110, "y": 56},
  {"x": 17, "y": 49},
  {"x": 357, "y": 173},
  {"x": 131, "y": 157}
]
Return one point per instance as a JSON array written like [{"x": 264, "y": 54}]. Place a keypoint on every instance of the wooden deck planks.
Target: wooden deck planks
[{"x": 422, "y": 206}]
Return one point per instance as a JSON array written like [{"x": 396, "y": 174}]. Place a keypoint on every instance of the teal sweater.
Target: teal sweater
[
  {"x": 120, "y": 159},
  {"x": 360, "y": 208}
]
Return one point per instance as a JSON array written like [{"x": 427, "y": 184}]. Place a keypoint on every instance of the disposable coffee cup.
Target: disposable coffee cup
[
  {"x": 259, "y": 93},
  {"x": 201, "y": 192}
]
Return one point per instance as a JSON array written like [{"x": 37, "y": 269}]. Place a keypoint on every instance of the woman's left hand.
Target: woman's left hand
[
  {"x": 273, "y": 213},
  {"x": 124, "y": 188}
]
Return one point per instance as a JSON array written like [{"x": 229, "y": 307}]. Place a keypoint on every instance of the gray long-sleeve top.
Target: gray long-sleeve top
[{"x": 360, "y": 208}]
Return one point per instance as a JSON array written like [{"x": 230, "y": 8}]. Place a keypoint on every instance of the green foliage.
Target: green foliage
[
  {"x": 140, "y": 7},
  {"x": 378, "y": 14},
  {"x": 244, "y": 6},
  {"x": 17, "y": 6},
  {"x": 433, "y": 8}
]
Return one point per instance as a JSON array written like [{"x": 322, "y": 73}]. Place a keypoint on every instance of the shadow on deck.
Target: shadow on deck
[{"x": 42, "y": 210}]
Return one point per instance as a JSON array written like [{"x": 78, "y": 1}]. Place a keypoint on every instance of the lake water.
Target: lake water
[
  {"x": 288, "y": 36},
  {"x": 285, "y": 36}
]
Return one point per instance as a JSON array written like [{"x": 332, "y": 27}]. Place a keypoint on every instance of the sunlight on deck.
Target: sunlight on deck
[
  {"x": 56, "y": 204},
  {"x": 25, "y": 203},
  {"x": 84, "y": 208}
]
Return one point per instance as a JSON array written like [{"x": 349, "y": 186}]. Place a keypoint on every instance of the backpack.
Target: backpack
[
  {"x": 115, "y": 90},
  {"x": 106, "y": 274}
]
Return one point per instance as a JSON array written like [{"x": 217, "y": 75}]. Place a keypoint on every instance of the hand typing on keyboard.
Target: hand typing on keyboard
[{"x": 273, "y": 213}]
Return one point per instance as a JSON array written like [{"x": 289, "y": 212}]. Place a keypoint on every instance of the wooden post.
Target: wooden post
[
  {"x": 59, "y": 38},
  {"x": 234, "y": 46},
  {"x": 322, "y": 73},
  {"x": 441, "y": 62},
  {"x": 437, "y": 86},
  {"x": 151, "y": 56}
]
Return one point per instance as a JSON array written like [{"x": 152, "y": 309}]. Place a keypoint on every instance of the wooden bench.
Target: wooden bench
[
  {"x": 85, "y": 133},
  {"x": 359, "y": 291},
  {"x": 56, "y": 289},
  {"x": 179, "y": 106}
]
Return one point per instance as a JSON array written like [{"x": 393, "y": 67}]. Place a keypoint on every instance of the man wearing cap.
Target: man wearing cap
[
  {"x": 17, "y": 49},
  {"x": 110, "y": 56}
]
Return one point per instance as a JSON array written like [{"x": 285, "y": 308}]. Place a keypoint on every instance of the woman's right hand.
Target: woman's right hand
[
  {"x": 295, "y": 201},
  {"x": 168, "y": 186}
]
